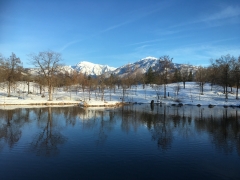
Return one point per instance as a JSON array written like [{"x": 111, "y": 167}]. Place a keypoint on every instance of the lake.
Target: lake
[{"x": 133, "y": 142}]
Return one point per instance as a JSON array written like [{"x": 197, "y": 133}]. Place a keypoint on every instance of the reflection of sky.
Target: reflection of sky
[{"x": 125, "y": 144}]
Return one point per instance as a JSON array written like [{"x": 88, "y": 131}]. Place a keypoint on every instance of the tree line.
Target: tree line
[{"x": 50, "y": 74}]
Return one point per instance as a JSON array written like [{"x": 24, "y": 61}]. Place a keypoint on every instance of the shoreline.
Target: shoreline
[
  {"x": 113, "y": 104},
  {"x": 213, "y": 96}
]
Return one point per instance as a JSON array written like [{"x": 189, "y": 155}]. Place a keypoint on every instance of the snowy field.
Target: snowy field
[{"x": 64, "y": 96}]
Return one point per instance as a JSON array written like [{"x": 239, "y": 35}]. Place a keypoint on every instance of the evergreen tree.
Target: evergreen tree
[
  {"x": 150, "y": 76},
  {"x": 190, "y": 76},
  {"x": 177, "y": 76}
]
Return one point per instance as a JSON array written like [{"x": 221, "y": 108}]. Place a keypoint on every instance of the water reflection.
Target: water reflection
[
  {"x": 46, "y": 141},
  {"x": 11, "y": 122},
  {"x": 223, "y": 130},
  {"x": 164, "y": 123},
  {"x": 101, "y": 121}
]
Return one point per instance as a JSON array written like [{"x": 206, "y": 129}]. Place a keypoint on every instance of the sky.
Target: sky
[{"x": 118, "y": 32}]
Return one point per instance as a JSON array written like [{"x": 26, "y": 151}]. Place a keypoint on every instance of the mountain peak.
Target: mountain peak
[
  {"x": 91, "y": 68},
  {"x": 150, "y": 57}
]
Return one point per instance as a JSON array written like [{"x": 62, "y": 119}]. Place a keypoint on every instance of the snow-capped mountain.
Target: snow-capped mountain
[
  {"x": 89, "y": 68},
  {"x": 84, "y": 67},
  {"x": 140, "y": 66},
  {"x": 144, "y": 64}
]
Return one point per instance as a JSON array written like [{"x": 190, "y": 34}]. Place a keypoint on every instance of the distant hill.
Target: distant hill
[
  {"x": 140, "y": 66},
  {"x": 89, "y": 68},
  {"x": 144, "y": 64}
]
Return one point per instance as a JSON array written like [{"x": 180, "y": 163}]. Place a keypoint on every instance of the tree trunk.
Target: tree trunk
[
  {"x": 226, "y": 92},
  {"x": 50, "y": 93},
  {"x": 28, "y": 83},
  {"x": 89, "y": 88},
  {"x": 237, "y": 91},
  {"x": 165, "y": 89},
  {"x": 102, "y": 94},
  {"x": 9, "y": 88},
  {"x": 40, "y": 89},
  {"x": 110, "y": 94}
]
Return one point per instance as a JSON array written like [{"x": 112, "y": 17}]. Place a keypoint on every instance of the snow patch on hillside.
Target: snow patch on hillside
[
  {"x": 91, "y": 68},
  {"x": 144, "y": 64}
]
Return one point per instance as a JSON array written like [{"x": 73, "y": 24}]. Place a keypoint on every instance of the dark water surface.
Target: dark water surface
[{"x": 135, "y": 142}]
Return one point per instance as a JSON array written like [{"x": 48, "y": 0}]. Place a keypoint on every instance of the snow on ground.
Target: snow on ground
[{"x": 190, "y": 95}]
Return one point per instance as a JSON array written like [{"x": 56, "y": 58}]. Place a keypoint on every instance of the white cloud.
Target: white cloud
[
  {"x": 68, "y": 44},
  {"x": 201, "y": 54},
  {"x": 228, "y": 12},
  {"x": 135, "y": 15}
]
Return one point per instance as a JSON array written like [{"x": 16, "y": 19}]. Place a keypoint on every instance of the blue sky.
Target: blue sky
[{"x": 117, "y": 32}]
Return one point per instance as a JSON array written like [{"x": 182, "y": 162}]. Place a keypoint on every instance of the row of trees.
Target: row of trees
[
  {"x": 10, "y": 70},
  {"x": 224, "y": 71}
]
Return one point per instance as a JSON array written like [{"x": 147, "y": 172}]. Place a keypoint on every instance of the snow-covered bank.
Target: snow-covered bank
[
  {"x": 10, "y": 101},
  {"x": 10, "y": 107},
  {"x": 137, "y": 94},
  {"x": 94, "y": 103}
]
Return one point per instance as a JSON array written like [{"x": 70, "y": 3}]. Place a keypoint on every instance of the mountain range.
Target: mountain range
[
  {"x": 89, "y": 68},
  {"x": 140, "y": 66}
]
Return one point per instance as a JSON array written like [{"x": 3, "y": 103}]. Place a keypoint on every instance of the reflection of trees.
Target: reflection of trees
[
  {"x": 11, "y": 122},
  {"x": 162, "y": 131},
  {"x": 160, "y": 127},
  {"x": 164, "y": 124},
  {"x": 129, "y": 118},
  {"x": 103, "y": 125},
  {"x": 46, "y": 142},
  {"x": 224, "y": 131},
  {"x": 160, "y": 121},
  {"x": 71, "y": 114},
  {"x": 182, "y": 122},
  {"x": 101, "y": 121}
]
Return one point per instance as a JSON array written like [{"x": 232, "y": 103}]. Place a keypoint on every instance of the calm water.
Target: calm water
[{"x": 136, "y": 142}]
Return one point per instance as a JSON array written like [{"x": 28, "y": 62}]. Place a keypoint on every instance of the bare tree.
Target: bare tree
[
  {"x": 89, "y": 82},
  {"x": 235, "y": 76},
  {"x": 177, "y": 88},
  {"x": 111, "y": 85},
  {"x": 212, "y": 75},
  {"x": 165, "y": 66},
  {"x": 157, "y": 88},
  {"x": 48, "y": 63},
  {"x": 184, "y": 75},
  {"x": 1, "y": 68},
  {"x": 201, "y": 78},
  {"x": 224, "y": 66},
  {"x": 124, "y": 85},
  {"x": 11, "y": 69},
  {"x": 101, "y": 86}
]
